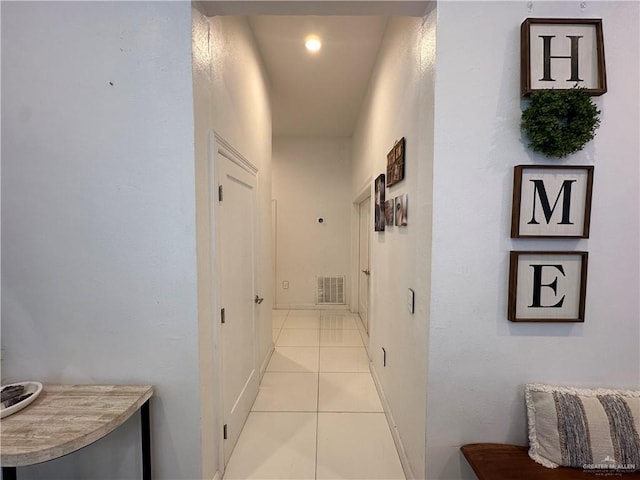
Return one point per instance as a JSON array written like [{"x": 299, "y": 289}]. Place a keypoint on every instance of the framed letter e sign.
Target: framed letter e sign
[
  {"x": 562, "y": 53},
  {"x": 551, "y": 201},
  {"x": 547, "y": 286}
]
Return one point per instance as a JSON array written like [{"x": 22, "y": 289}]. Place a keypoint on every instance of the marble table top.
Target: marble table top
[{"x": 65, "y": 418}]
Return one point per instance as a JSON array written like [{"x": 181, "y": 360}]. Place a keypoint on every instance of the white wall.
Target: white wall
[
  {"x": 230, "y": 98},
  {"x": 207, "y": 333},
  {"x": 399, "y": 104},
  {"x": 98, "y": 212},
  {"x": 311, "y": 179},
  {"x": 242, "y": 115},
  {"x": 479, "y": 361}
]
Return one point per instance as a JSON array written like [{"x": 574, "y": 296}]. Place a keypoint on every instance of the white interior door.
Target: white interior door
[
  {"x": 363, "y": 264},
  {"x": 236, "y": 260}
]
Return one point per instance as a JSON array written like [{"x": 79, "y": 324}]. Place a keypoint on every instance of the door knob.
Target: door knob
[
  {"x": 258, "y": 300},
  {"x": 366, "y": 272}
]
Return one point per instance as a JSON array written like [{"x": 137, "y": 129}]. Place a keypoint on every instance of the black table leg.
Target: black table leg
[
  {"x": 9, "y": 473},
  {"x": 145, "y": 425}
]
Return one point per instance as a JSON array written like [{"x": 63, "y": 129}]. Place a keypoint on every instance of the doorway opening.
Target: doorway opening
[{"x": 320, "y": 182}]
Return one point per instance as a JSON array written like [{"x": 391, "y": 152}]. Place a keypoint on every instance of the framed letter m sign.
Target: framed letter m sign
[
  {"x": 547, "y": 286},
  {"x": 562, "y": 53},
  {"x": 551, "y": 201}
]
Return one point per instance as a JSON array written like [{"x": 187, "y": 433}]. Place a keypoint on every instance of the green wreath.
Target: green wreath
[{"x": 560, "y": 122}]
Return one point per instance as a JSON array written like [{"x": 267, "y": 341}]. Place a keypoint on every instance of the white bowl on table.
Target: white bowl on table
[{"x": 29, "y": 387}]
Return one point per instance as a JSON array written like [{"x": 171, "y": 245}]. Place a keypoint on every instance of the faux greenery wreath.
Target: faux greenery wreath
[{"x": 560, "y": 122}]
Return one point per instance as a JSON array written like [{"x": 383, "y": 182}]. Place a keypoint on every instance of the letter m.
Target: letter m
[{"x": 540, "y": 192}]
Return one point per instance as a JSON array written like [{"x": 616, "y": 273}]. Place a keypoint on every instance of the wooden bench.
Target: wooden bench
[{"x": 497, "y": 461}]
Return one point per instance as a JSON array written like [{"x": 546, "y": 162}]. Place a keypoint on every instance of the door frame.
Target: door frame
[
  {"x": 218, "y": 146},
  {"x": 363, "y": 192}
]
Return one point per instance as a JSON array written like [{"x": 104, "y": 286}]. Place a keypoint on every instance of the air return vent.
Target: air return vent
[{"x": 330, "y": 290}]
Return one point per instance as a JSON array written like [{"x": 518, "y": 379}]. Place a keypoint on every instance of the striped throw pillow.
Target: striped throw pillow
[{"x": 592, "y": 429}]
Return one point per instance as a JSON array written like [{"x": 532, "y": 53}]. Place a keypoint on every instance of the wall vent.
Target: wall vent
[{"x": 330, "y": 290}]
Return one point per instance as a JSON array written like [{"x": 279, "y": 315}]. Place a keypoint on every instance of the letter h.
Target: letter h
[{"x": 546, "y": 53}]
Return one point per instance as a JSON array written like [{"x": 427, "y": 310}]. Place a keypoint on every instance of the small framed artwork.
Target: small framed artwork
[
  {"x": 401, "y": 210},
  {"x": 551, "y": 201},
  {"x": 562, "y": 53},
  {"x": 547, "y": 286},
  {"x": 389, "y": 210},
  {"x": 395, "y": 163},
  {"x": 379, "y": 189}
]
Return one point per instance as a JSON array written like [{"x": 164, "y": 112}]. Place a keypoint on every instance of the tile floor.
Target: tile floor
[{"x": 317, "y": 414}]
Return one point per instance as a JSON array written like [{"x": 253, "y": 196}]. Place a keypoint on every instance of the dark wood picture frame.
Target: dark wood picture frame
[
  {"x": 574, "y": 188},
  {"x": 543, "y": 309},
  {"x": 395, "y": 163},
  {"x": 527, "y": 85}
]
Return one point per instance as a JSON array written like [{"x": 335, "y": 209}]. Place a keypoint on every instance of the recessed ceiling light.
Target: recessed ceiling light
[{"x": 312, "y": 43}]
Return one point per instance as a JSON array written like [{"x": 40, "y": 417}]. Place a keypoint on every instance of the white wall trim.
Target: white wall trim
[
  {"x": 267, "y": 359},
  {"x": 219, "y": 146},
  {"x": 225, "y": 148},
  {"x": 214, "y": 138},
  {"x": 404, "y": 459},
  {"x": 217, "y": 476},
  {"x": 363, "y": 192},
  {"x": 274, "y": 248}
]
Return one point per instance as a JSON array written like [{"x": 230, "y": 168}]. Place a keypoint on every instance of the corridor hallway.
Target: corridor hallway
[{"x": 317, "y": 414}]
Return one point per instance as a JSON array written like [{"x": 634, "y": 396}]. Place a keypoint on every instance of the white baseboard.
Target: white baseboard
[
  {"x": 267, "y": 358},
  {"x": 404, "y": 459}
]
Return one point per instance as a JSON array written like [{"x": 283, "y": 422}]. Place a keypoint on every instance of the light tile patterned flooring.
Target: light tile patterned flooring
[{"x": 317, "y": 414}]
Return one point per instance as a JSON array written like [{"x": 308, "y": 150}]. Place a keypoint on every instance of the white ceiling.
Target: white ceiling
[{"x": 317, "y": 94}]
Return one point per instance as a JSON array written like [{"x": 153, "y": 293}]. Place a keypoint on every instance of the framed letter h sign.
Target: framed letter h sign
[
  {"x": 547, "y": 286},
  {"x": 551, "y": 201},
  {"x": 562, "y": 53}
]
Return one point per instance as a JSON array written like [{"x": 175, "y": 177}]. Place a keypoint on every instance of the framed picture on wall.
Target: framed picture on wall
[
  {"x": 389, "y": 211},
  {"x": 379, "y": 190},
  {"x": 547, "y": 286},
  {"x": 562, "y": 53},
  {"x": 551, "y": 201},
  {"x": 395, "y": 163},
  {"x": 402, "y": 203}
]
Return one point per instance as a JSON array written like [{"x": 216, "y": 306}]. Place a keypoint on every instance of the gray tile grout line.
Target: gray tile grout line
[
  {"x": 318, "y": 412},
  {"x": 320, "y": 329},
  {"x": 285, "y": 371},
  {"x": 323, "y": 346},
  {"x": 319, "y": 346},
  {"x": 315, "y": 472}
]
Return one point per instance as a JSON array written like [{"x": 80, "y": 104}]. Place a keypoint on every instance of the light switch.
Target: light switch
[
  {"x": 285, "y": 285},
  {"x": 411, "y": 301}
]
